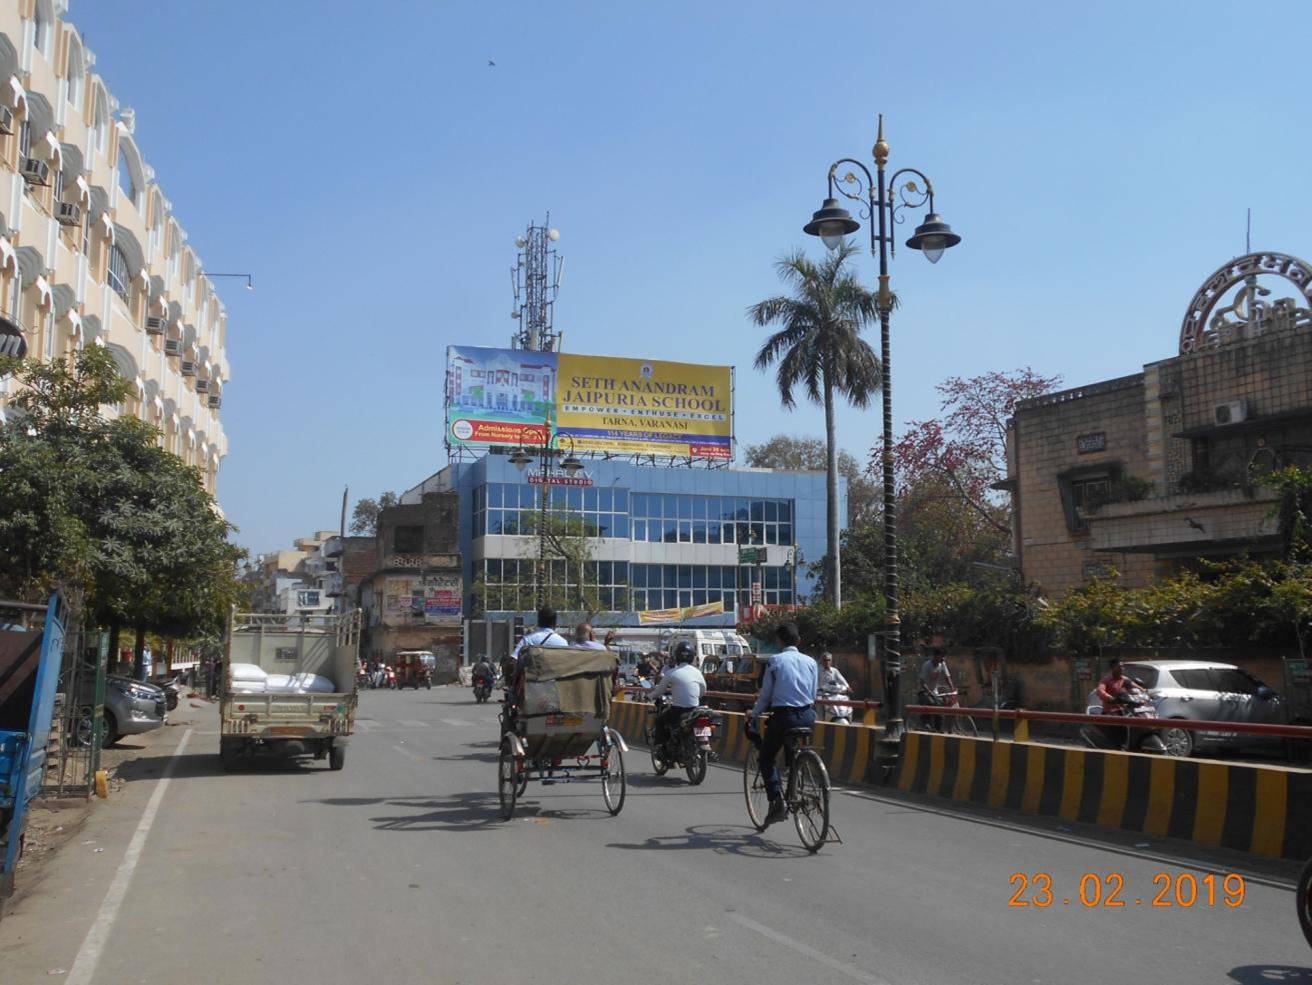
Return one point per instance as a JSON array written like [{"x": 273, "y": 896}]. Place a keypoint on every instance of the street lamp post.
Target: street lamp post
[
  {"x": 521, "y": 457},
  {"x": 881, "y": 200}
]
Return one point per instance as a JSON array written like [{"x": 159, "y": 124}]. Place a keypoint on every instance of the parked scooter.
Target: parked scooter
[
  {"x": 1130, "y": 704},
  {"x": 687, "y": 744}
]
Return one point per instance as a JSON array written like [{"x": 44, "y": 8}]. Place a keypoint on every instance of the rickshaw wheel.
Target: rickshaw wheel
[
  {"x": 614, "y": 784},
  {"x": 508, "y": 773}
]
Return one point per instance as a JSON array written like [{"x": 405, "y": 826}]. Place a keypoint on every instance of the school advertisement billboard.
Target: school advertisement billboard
[{"x": 604, "y": 403}]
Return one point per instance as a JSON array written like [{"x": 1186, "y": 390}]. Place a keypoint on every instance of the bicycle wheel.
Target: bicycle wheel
[
  {"x": 758, "y": 801},
  {"x": 963, "y": 725},
  {"x": 507, "y": 780},
  {"x": 614, "y": 784},
  {"x": 1304, "y": 899},
  {"x": 810, "y": 784}
]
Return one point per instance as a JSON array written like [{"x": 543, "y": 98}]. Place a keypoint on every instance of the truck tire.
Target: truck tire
[{"x": 336, "y": 757}]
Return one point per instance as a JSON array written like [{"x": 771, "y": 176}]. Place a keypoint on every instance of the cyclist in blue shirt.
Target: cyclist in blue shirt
[{"x": 788, "y": 691}]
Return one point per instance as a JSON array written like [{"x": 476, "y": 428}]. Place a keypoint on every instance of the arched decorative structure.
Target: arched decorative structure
[{"x": 1207, "y": 324}]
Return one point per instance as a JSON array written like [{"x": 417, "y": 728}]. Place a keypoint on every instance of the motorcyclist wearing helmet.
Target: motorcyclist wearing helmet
[{"x": 684, "y": 684}]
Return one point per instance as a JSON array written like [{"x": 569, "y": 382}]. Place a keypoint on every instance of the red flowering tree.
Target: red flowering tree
[{"x": 966, "y": 446}]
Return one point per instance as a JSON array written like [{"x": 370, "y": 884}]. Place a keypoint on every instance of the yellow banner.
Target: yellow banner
[
  {"x": 679, "y": 615},
  {"x": 645, "y": 406}
]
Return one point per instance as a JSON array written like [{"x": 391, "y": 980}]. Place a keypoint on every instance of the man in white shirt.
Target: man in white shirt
[
  {"x": 544, "y": 635},
  {"x": 686, "y": 687}
]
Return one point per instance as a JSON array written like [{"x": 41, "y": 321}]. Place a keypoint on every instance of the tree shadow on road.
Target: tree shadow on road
[
  {"x": 1281, "y": 974},
  {"x": 732, "y": 839}
]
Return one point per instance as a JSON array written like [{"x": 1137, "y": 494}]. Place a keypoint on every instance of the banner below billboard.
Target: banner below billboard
[{"x": 645, "y": 406}]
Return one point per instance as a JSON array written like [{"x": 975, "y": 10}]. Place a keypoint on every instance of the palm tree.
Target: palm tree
[{"x": 820, "y": 349}]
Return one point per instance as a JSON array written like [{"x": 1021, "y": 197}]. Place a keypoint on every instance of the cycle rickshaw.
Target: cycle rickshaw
[{"x": 555, "y": 726}]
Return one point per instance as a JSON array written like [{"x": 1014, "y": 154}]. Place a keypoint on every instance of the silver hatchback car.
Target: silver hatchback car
[{"x": 1204, "y": 690}]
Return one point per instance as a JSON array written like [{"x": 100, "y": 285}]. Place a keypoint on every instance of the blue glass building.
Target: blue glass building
[{"x": 667, "y": 537}]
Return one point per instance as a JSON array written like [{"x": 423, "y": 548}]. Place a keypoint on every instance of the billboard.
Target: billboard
[
  {"x": 605, "y": 403},
  {"x": 498, "y": 396}
]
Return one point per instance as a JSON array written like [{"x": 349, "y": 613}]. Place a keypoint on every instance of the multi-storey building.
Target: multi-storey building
[
  {"x": 90, "y": 251},
  {"x": 665, "y": 538},
  {"x": 1147, "y": 474}
]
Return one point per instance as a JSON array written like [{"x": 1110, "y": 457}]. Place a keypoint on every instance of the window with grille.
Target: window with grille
[{"x": 120, "y": 278}]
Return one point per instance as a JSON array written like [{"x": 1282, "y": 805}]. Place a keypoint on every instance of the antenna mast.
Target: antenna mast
[{"x": 535, "y": 279}]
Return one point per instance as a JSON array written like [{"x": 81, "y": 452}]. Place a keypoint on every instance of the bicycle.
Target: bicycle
[
  {"x": 954, "y": 724},
  {"x": 806, "y": 794}
]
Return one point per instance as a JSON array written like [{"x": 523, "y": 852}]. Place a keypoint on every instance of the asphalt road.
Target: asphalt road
[{"x": 398, "y": 869}]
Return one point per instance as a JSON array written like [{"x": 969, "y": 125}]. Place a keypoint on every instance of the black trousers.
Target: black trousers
[
  {"x": 776, "y": 731},
  {"x": 666, "y": 720}
]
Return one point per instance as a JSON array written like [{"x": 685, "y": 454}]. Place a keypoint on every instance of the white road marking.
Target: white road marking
[
  {"x": 93, "y": 945},
  {"x": 851, "y": 970},
  {"x": 413, "y": 723},
  {"x": 456, "y": 721}
]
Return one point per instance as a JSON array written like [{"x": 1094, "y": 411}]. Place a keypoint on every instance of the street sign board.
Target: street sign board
[{"x": 751, "y": 555}]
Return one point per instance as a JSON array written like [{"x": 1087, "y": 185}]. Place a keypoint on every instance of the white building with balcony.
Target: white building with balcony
[{"x": 90, "y": 250}]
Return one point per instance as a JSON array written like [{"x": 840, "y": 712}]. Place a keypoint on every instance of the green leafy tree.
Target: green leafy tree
[
  {"x": 50, "y": 459},
  {"x": 801, "y": 453},
  {"x": 819, "y": 350},
  {"x": 364, "y": 518},
  {"x": 98, "y": 509}
]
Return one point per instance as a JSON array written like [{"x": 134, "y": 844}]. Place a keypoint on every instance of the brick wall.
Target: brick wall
[{"x": 1046, "y": 437}]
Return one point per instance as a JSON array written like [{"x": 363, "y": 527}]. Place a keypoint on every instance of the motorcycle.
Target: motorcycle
[
  {"x": 686, "y": 744},
  {"x": 1129, "y": 704},
  {"x": 482, "y": 688}
]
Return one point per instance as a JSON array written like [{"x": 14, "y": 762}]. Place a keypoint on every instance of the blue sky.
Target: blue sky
[{"x": 372, "y": 172}]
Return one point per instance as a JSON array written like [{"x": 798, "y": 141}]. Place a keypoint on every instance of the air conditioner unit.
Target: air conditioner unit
[
  {"x": 68, "y": 214},
  {"x": 202, "y": 385},
  {"x": 6, "y": 120},
  {"x": 36, "y": 171},
  {"x": 188, "y": 368},
  {"x": 1230, "y": 412},
  {"x": 215, "y": 401},
  {"x": 173, "y": 347},
  {"x": 155, "y": 325}
]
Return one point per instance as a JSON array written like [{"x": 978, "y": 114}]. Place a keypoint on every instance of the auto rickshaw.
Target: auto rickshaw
[{"x": 413, "y": 668}]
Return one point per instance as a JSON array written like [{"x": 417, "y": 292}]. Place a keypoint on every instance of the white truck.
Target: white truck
[{"x": 299, "y": 716}]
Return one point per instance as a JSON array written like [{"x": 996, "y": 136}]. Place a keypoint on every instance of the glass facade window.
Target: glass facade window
[
  {"x": 667, "y": 518},
  {"x": 669, "y": 586},
  {"x": 512, "y": 508},
  {"x": 508, "y": 583}
]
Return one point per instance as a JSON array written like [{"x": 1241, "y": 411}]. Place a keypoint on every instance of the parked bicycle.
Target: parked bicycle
[{"x": 806, "y": 793}]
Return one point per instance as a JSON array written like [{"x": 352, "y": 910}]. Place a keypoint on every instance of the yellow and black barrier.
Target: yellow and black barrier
[
  {"x": 1253, "y": 808},
  {"x": 846, "y": 749}
]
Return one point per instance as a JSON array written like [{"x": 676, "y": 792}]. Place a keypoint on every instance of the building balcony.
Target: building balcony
[
  {"x": 1222, "y": 521},
  {"x": 332, "y": 547}
]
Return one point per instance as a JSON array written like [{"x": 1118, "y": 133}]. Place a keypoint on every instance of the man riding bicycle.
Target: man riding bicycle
[{"x": 788, "y": 690}]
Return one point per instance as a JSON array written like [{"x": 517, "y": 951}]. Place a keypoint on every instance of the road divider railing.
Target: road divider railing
[
  {"x": 847, "y": 750},
  {"x": 1251, "y": 807},
  {"x": 1022, "y": 717}
]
